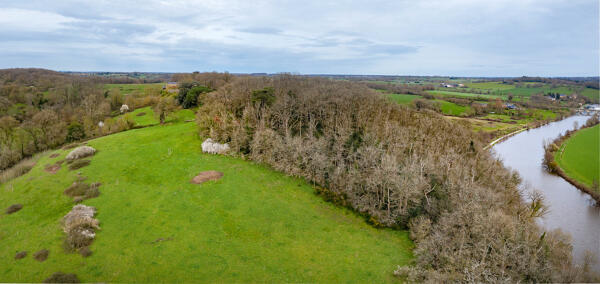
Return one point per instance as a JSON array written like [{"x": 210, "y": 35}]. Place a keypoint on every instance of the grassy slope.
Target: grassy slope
[
  {"x": 254, "y": 225},
  {"x": 579, "y": 156}
]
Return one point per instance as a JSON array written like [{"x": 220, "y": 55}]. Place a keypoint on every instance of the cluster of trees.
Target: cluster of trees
[
  {"x": 399, "y": 168},
  {"x": 42, "y": 109}
]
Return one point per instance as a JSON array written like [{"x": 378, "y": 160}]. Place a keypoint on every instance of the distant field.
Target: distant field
[
  {"x": 495, "y": 86},
  {"x": 402, "y": 98},
  {"x": 253, "y": 225},
  {"x": 147, "y": 116},
  {"x": 466, "y": 95},
  {"x": 449, "y": 108},
  {"x": 130, "y": 88},
  {"x": 579, "y": 156}
]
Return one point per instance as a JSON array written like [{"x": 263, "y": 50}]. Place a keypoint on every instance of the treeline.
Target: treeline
[
  {"x": 399, "y": 168},
  {"x": 42, "y": 109}
]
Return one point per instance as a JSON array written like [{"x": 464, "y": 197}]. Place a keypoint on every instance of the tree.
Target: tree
[
  {"x": 164, "y": 108},
  {"x": 192, "y": 94},
  {"x": 75, "y": 132}
]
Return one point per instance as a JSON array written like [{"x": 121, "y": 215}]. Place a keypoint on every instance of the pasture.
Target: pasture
[
  {"x": 252, "y": 225},
  {"x": 579, "y": 156}
]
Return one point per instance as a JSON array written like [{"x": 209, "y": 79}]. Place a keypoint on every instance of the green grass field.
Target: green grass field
[
  {"x": 579, "y": 156},
  {"x": 145, "y": 116},
  {"x": 493, "y": 86},
  {"x": 402, "y": 99},
  {"x": 253, "y": 225},
  {"x": 130, "y": 88},
  {"x": 465, "y": 95},
  {"x": 450, "y": 108}
]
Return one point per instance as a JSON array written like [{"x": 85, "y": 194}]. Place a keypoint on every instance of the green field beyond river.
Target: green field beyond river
[{"x": 579, "y": 156}]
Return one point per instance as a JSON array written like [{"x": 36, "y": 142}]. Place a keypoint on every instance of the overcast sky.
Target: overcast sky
[{"x": 413, "y": 37}]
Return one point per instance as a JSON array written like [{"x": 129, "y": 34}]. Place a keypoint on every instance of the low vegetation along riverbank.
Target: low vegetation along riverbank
[{"x": 575, "y": 157}]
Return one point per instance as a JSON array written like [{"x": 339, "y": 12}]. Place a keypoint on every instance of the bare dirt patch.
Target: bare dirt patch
[
  {"x": 60, "y": 277},
  {"x": 206, "y": 176},
  {"x": 21, "y": 254},
  {"x": 14, "y": 208},
  {"x": 41, "y": 255},
  {"x": 141, "y": 114},
  {"x": 85, "y": 251},
  {"x": 54, "y": 155},
  {"x": 52, "y": 168}
]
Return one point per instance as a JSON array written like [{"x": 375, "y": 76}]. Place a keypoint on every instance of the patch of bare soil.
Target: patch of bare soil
[
  {"x": 54, "y": 155},
  {"x": 14, "y": 208},
  {"x": 206, "y": 176},
  {"x": 141, "y": 114},
  {"x": 41, "y": 255},
  {"x": 60, "y": 277},
  {"x": 52, "y": 168},
  {"x": 21, "y": 254}
]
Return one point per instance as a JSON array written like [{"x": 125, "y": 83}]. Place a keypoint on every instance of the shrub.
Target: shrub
[
  {"x": 75, "y": 132},
  {"x": 79, "y": 225},
  {"x": 60, "y": 277}
]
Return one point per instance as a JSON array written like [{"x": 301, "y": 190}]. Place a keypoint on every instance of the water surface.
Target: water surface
[{"x": 571, "y": 210}]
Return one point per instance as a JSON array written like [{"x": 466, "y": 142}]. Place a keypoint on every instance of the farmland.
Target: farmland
[{"x": 579, "y": 156}]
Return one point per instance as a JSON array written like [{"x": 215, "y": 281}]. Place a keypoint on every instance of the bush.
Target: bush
[
  {"x": 75, "y": 132},
  {"x": 79, "y": 225}
]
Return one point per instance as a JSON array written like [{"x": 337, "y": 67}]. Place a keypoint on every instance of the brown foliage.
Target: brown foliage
[{"x": 399, "y": 167}]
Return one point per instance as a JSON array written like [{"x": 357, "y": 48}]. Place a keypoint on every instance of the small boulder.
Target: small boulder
[{"x": 124, "y": 108}]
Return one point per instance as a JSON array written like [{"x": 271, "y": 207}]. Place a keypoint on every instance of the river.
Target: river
[{"x": 571, "y": 210}]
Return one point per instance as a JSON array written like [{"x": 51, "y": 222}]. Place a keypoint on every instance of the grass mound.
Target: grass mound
[{"x": 257, "y": 225}]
